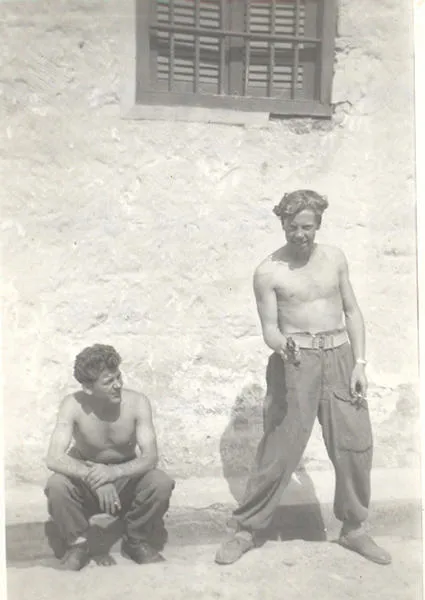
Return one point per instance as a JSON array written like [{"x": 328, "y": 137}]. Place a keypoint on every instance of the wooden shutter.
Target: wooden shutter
[
  {"x": 282, "y": 69},
  {"x": 183, "y": 62},
  {"x": 271, "y": 65}
]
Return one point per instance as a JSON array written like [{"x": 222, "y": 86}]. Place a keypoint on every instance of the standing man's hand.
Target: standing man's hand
[
  {"x": 98, "y": 475},
  {"x": 290, "y": 352},
  {"x": 358, "y": 383},
  {"x": 109, "y": 500}
]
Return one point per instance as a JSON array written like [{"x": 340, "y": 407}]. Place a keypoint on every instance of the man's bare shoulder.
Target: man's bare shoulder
[
  {"x": 264, "y": 278},
  {"x": 136, "y": 400},
  {"x": 332, "y": 253},
  {"x": 69, "y": 406},
  {"x": 267, "y": 269}
]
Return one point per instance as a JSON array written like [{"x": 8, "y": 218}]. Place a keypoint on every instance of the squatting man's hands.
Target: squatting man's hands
[
  {"x": 99, "y": 475},
  {"x": 109, "y": 500}
]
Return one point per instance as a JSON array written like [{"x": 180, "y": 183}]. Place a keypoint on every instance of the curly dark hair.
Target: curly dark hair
[
  {"x": 295, "y": 202},
  {"x": 91, "y": 361}
]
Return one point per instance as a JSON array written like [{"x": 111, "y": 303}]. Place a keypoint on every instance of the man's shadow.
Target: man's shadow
[{"x": 301, "y": 516}]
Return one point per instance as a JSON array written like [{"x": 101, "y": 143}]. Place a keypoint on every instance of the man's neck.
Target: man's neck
[
  {"x": 103, "y": 409},
  {"x": 298, "y": 258}
]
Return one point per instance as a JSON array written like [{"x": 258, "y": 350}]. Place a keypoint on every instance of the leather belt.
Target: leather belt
[{"x": 320, "y": 341}]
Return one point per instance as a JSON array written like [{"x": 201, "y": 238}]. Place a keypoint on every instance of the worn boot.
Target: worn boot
[
  {"x": 141, "y": 553},
  {"x": 75, "y": 558},
  {"x": 232, "y": 550},
  {"x": 362, "y": 543}
]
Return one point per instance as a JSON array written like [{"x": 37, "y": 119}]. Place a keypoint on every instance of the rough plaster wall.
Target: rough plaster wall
[{"x": 145, "y": 235}]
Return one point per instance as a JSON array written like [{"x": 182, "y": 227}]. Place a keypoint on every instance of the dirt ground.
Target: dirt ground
[{"x": 291, "y": 571}]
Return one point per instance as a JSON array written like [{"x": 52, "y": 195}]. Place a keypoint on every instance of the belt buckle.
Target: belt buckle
[{"x": 319, "y": 342}]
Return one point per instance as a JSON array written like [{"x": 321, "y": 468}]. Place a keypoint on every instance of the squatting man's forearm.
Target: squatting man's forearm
[
  {"x": 134, "y": 468},
  {"x": 71, "y": 467},
  {"x": 80, "y": 469}
]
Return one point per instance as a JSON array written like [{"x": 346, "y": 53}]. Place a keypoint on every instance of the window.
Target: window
[{"x": 268, "y": 55}]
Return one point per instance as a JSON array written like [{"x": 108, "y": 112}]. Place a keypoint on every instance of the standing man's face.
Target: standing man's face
[
  {"x": 300, "y": 231},
  {"x": 108, "y": 386}
]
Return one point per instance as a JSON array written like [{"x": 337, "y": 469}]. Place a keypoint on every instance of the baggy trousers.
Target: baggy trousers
[
  {"x": 144, "y": 502},
  {"x": 318, "y": 386}
]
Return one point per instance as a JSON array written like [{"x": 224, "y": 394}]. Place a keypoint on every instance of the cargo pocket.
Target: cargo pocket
[{"x": 352, "y": 427}]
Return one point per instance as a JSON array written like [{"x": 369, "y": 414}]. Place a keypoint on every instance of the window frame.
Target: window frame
[{"x": 144, "y": 95}]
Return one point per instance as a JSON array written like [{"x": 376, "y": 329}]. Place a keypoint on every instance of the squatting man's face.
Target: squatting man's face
[{"x": 108, "y": 386}]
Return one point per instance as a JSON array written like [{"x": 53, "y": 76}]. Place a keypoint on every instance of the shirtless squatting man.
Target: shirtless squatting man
[{"x": 102, "y": 472}]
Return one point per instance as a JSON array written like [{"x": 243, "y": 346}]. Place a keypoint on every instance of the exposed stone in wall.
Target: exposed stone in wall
[
  {"x": 372, "y": 45},
  {"x": 145, "y": 235}
]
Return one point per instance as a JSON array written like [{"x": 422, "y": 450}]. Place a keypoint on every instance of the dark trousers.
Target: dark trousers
[
  {"x": 144, "y": 502},
  {"x": 296, "y": 395}
]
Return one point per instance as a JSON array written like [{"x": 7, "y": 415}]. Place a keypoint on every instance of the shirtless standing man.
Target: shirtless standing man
[
  {"x": 102, "y": 473},
  {"x": 311, "y": 320}
]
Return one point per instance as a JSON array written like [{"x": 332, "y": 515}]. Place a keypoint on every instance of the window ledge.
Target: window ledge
[{"x": 195, "y": 113}]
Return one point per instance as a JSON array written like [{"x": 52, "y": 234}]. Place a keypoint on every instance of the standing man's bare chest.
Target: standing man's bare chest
[{"x": 317, "y": 280}]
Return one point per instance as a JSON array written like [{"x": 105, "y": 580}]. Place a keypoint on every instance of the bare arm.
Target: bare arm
[
  {"x": 57, "y": 459},
  {"x": 146, "y": 440},
  {"x": 265, "y": 296},
  {"x": 353, "y": 316},
  {"x": 356, "y": 330}
]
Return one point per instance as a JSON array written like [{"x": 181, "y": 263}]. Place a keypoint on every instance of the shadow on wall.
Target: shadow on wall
[{"x": 238, "y": 445}]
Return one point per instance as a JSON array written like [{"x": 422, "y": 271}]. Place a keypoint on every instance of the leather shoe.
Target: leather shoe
[
  {"x": 142, "y": 553},
  {"x": 232, "y": 550},
  {"x": 76, "y": 557},
  {"x": 363, "y": 544}
]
